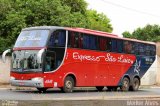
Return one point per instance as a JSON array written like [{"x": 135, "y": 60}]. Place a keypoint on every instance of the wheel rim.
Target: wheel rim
[
  {"x": 125, "y": 86},
  {"x": 136, "y": 84},
  {"x": 69, "y": 84}
]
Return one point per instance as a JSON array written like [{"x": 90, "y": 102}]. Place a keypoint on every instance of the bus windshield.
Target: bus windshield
[
  {"x": 32, "y": 38},
  {"x": 25, "y": 60}
]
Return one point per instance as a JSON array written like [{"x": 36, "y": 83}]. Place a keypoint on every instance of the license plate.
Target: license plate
[{"x": 21, "y": 83}]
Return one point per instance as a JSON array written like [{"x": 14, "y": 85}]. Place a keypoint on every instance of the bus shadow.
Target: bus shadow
[{"x": 58, "y": 91}]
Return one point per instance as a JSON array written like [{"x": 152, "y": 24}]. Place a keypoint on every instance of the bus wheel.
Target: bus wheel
[
  {"x": 68, "y": 85},
  {"x": 42, "y": 90},
  {"x": 125, "y": 84},
  {"x": 99, "y": 88},
  {"x": 136, "y": 84}
]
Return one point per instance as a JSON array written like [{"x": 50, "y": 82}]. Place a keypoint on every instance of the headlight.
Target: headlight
[{"x": 12, "y": 78}]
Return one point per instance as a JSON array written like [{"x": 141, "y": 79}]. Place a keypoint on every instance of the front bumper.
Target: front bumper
[{"x": 35, "y": 82}]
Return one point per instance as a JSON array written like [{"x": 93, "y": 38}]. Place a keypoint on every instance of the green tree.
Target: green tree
[
  {"x": 147, "y": 33},
  {"x": 17, "y": 14},
  {"x": 76, "y": 5},
  {"x": 98, "y": 21}
]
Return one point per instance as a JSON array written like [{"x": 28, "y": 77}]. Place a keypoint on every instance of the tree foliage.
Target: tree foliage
[
  {"x": 147, "y": 33},
  {"x": 98, "y": 21},
  {"x": 18, "y": 14}
]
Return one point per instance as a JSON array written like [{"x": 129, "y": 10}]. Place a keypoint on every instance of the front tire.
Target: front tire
[
  {"x": 68, "y": 85},
  {"x": 125, "y": 84}
]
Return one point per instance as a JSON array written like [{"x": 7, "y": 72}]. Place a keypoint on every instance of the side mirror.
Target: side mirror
[
  {"x": 39, "y": 56},
  {"x": 4, "y": 55}
]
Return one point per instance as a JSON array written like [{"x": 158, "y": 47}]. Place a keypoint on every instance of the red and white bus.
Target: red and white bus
[{"x": 62, "y": 57}]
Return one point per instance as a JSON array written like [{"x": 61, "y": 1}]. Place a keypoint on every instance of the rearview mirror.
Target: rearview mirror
[
  {"x": 4, "y": 55},
  {"x": 39, "y": 56}
]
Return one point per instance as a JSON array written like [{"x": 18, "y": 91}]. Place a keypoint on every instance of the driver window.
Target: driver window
[{"x": 49, "y": 61}]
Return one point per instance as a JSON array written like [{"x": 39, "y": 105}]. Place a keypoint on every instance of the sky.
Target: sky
[{"x": 128, "y": 15}]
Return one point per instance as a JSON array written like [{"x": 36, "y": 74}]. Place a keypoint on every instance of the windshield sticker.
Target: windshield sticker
[{"x": 32, "y": 38}]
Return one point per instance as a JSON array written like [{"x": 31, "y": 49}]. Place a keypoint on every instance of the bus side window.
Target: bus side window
[
  {"x": 76, "y": 40},
  {"x": 72, "y": 39},
  {"x": 136, "y": 48},
  {"x": 61, "y": 38},
  {"x": 152, "y": 50},
  {"x": 133, "y": 48},
  {"x": 120, "y": 46},
  {"x": 56, "y": 33},
  {"x": 102, "y": 43},
  {"x": 51, "y": 41},
  {"x": 80, "y": 40},
  {"x": 86, "y": 40},
  {"x": 147, "y": 49},
  {"x": 57, "y": 39},
  {"x": 141, "y": 49},
  {"x": 69, "y": 39},
  {"x": 93, "y": 42},
  {"x": 114, "y": 45},
  {"x": 128, "y": 47},
  {"x": 50, "y": 61}
]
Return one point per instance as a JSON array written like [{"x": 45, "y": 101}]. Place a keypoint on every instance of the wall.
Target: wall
[
  {"x": 5, "y": 70},
  {"x": 158, "y": 64},
  {"x": 158, "y": 71}
]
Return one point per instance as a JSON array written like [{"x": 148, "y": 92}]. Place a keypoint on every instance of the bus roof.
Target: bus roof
[
  {"x": 88, "y": 31},
  {"x": 44, "y": 27},
  {"x": 106, "y": 34}
]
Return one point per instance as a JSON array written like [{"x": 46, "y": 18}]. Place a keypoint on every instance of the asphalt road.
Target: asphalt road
[{"x": 80, "y": 97}]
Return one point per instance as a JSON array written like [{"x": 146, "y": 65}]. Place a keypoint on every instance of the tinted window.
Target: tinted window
[
  {"x": 128, "y": 47},
  {"x": 152, "y": 50},
  {"x": 89, "y": 42},
  {"x": 81, "y": 40},
  {"x": 57, "y": 39},
  {"x": 147, "y": 49},
  {"x": 86, "y": 42},
  {"x": 131, "y": 47},
  {"x": 104, "y": 44},
  {"x": 114, "y": 45},
  {"x": 120, "y": 46},
  {"x": 74, "y": 40},
  {"x": 141, "y": 49},
  {"x": 136, "y": 48}
]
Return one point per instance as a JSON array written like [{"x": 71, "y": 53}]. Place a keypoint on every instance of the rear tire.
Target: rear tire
[
  {"x": 99, "y": 88},
  {"x": 135, "y": 85},
  {"x": 125, "y": 84},
  {"x": 68, "y": 84}
]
